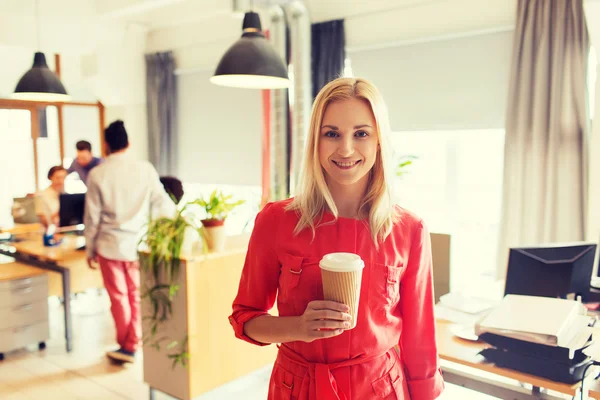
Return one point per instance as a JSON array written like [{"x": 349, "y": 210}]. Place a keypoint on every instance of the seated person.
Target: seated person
[
  {"x": 85, "y": 161},
  {"x": 173, "y": 187},
  {"x": 48, "y": 200}
]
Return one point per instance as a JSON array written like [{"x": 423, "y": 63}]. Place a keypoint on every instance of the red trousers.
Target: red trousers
[{"x": 122, "y": 282}]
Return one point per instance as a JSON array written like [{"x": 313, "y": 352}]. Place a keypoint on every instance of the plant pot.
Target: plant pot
[{"x": 215, "y": 234}]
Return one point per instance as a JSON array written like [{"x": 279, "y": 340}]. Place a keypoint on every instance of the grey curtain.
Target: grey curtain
[
  {"x": 328, "y": 53},
  {"x": 546, "y": 148},
  {"x": 161, "y": 93}
]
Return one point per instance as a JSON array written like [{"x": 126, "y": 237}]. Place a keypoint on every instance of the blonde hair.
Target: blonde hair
[{"x": 313, "y": 196}]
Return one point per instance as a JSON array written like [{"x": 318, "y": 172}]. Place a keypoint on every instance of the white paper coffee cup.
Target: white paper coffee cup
[{"x": 341, "y": 274}]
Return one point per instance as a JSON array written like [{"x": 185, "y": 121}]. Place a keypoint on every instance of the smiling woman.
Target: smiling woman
[{"x": 343, "y": 204}]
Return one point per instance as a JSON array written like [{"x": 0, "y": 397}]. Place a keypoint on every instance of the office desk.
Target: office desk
[
  {"x": 463, "y": 352},
  {"x": 64, "y": 259}
]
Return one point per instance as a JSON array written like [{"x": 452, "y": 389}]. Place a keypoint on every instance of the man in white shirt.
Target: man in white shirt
[
  {"x": 121, "y": 193},
  {"x": 47, "y": 203}
]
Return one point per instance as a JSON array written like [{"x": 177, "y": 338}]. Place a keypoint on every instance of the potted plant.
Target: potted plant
[
  {"x": 217, "y": 207},
  {"x": 163, "y": 244},
  {"x": 177, "y": 300}
]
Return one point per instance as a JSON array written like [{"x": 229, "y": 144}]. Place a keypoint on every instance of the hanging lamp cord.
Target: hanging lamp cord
[{"x": 37, "y": 24}]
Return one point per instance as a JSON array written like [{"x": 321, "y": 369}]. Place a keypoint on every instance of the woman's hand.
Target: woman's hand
[{"x": 323, "y": 319}]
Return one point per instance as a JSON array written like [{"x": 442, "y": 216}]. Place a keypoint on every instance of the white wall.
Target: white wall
[
  {"x": 220, "y": 132},
  {"x": 198, "y": 45}
]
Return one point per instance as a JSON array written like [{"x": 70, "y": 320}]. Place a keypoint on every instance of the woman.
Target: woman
[
  {"x": 47, "y": 205},
  {"x": 343, "y": 205}
]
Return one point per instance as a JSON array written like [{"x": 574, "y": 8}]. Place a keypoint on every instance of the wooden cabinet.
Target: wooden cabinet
[{"x": 23, "y": 307}]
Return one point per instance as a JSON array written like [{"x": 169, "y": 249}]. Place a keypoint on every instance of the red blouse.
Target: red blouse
[{"x": 396, "y": 308}]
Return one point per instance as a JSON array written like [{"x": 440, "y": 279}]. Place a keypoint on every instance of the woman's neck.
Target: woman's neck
[
  {"x": 57, "y": 189},
  {"x": 348, "y": 198}
]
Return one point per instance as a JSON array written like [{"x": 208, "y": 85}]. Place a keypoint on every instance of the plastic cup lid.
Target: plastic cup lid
[{"x": 342, "y": 262}]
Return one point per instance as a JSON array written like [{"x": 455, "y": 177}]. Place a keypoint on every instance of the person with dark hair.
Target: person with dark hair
[
  {"x": 47, "y": 203},
  {"x": 85, "y": 161},
  {"x": 173, "y": 187},
  {"x": 122, "y": 192}
]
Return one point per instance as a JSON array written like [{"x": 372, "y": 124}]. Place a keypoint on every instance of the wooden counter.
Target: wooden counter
[{"x": 200, "y": 310}]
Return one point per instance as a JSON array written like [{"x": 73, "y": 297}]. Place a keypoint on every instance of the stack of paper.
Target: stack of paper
[{"x": 543, "y": 320}]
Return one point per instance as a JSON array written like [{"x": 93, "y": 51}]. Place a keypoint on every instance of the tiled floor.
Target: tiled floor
[{"x": 85, "y": 373}]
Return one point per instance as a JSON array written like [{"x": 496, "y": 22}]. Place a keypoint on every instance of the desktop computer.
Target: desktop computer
[
  {"x": 72, "y": 207},
  {"x": 551, "y": 271}
]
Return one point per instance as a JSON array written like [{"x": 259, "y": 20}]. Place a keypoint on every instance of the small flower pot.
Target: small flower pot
[{"x": 215, "y": 234}]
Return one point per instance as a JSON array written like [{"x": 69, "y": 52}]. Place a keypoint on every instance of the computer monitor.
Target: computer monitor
[
  {"x": 71, "y": 209},
  {"x": 23, "y": 210},
  {"x": 551, "y": 271}
]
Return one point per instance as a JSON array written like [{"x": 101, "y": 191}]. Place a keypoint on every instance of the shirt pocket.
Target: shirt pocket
[
  {"x": 385, "y": 280},
  {"x": 284, "y": 384},
  {"x": 300, "y": 281},
  {"x": 391, "y": 385}
]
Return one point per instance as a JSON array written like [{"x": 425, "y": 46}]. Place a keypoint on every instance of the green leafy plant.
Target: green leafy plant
[
  {"x": 403, "y": 163},
  {"x": 218, "y": 205},
  {"x": 161, "y": 262}
]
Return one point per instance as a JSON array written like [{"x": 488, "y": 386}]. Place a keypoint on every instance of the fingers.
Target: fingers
[
  {"x": 328, "y": 314},
  {"x": 328, "y": 305},
  {"x": 92, "y": 263},
  {"x": 328, "y": 325},
  {"x": 324, "y": 319},
  {"x": 328, "y": 310}
]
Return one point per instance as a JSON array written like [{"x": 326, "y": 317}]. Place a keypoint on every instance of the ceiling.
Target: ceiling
[
  {"x": 156, "y": 14},
  {"x": 84, "y": 22}
]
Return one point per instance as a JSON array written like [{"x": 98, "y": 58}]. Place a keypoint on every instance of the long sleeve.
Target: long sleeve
[
  {"x": 260, "y": 277},
  {"x": 161, "y": 204},
  {"x": 92, "y": 214},
  {"x": 418, "y": 341},
  {"x": 71, "y": 168}
]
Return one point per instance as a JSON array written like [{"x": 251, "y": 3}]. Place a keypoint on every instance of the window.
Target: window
[
  {"x": 16, "y": 160},
  {"x": 455, "y": 185},
  {"x": 29, "y": 161}
]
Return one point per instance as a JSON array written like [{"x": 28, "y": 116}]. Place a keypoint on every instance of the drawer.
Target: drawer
[
  {"x": 23, "y": 314},
  {"x": 29, "y": 292},
  {"x": 24, "y": 282},
  {"x": 23, "y": 336}
]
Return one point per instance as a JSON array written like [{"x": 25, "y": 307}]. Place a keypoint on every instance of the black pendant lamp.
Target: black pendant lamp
[
  {"x": 40, "y": 83},
  {"x": 251, "y": 62}
]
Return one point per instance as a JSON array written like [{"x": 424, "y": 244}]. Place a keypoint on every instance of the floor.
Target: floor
[{"x": 86, "y": 374}]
